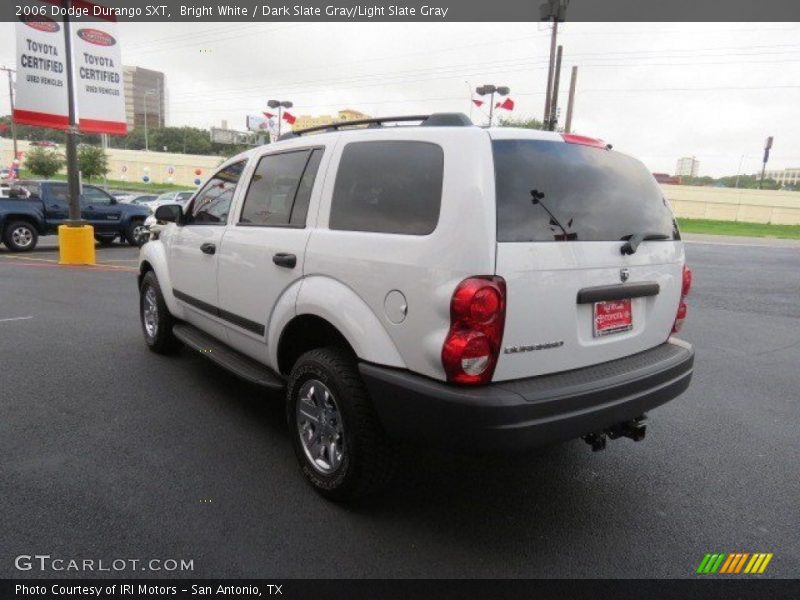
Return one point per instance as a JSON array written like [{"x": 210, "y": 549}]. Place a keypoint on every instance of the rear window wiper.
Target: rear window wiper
[{"x": 633, "y": 241}]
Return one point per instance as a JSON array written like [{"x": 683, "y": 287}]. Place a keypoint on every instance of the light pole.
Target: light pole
[
  {"x": 146, "y": 94},
  {"x": 491, "y": 90},
  {"x": 280, "y": 105},
  {"x": 11, "y": 102}
]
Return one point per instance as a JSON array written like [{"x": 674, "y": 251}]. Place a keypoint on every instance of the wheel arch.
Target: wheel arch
[
  {"x": 153, "y": 258},
  {"x": 12, "y": 217},
  {"x": 342, "y": 317}
]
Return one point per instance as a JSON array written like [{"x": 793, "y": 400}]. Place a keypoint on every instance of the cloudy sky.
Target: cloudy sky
[{"x": 657, "y": 90}]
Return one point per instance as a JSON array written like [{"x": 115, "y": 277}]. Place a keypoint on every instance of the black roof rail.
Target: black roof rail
[{"x": 433, "y": 120}]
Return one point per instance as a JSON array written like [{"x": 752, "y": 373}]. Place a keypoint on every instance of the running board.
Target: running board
[{"x": 228, "y": 358}]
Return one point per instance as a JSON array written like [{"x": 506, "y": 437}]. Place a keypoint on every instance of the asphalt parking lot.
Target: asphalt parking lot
[{"x": 110, "y": 451}]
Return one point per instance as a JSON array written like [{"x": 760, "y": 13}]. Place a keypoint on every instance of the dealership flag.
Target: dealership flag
[
  {"x": 508, "y": 104},
  {"x": 98, "y": 74},
  {"x": 268, "y": 115},
  {"x": 477, "y": 103},
  {"x": 289, "y": 118},
  {"x": 41, "y": 72}
]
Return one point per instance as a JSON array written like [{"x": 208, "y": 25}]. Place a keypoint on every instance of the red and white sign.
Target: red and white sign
[
  {"x": 41, "y": 72},
  {"x": 99, "y": 84},
  {"x": 612, "y": 317}
]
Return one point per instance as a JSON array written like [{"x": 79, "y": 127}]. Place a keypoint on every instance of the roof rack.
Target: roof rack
[{"x": 433, "y": 120}]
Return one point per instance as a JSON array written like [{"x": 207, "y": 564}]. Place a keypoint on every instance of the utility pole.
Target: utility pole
[
  {"x": 571, "y": 102},
  {"x": 739, "y": 172},
  {"x": 767, "y": 148},
  {"x": 555, "y": 11},
  {"x": 73, "y": 177},
  {"x": 11, "y": 103},
  {"x": 547, "y": 96},
  {"x": 554, "y": 100}
]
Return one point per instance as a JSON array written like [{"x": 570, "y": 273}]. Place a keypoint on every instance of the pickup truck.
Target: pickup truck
[{"x": 35, "y": 208}]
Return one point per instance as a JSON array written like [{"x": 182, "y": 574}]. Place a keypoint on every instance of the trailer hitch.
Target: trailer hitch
[{"x": 635, "y": 429}]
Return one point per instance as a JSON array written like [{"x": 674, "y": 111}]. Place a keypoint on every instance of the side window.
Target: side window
[
  {"x": 211, "y": 204},
  {"x": 94, "y": 197},
  {"x": 303, "y": 197},
  {"x": 281, "y": 189},
  {"x": 388, "y": 187},
  {"x": 58, "y": 192}
]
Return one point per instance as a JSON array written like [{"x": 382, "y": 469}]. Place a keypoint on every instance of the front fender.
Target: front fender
[
  {"x": 155, "y": 254},
  {"x": 344, "y": 309}
]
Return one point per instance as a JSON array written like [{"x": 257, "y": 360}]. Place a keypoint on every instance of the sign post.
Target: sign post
[{"x": 77, "y": 92}]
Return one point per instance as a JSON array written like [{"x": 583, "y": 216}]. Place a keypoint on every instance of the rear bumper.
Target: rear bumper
[{"x": 524, "y": 413}]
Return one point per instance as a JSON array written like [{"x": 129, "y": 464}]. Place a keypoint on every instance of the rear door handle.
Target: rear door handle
[
  {"x": 282, "y": 259},
  {"x": 208, "y": 248}
]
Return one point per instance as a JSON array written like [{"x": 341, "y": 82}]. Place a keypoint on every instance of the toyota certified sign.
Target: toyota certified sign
[
  {"x": 98, "y": 77},
  {"x": 96, "y": 37},
  {"x": 41, "y": 98}
]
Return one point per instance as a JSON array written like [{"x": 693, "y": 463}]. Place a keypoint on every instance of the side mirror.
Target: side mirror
[{"x": 169, "y": 213}]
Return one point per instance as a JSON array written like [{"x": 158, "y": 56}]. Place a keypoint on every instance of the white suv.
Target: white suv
[{"x": 475, "y": 289}]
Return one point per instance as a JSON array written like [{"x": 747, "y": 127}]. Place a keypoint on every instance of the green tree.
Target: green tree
[
  {"x": 521, "y": 122},
  {"x": 92, "y": 161},
  {"x": 44, "y": 163}
]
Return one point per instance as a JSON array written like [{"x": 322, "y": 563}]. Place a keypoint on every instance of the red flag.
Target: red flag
[
  {"x": 289, "y": 118},
  {"x": 268, "y": 115},
  {"x": 508, "y": 104},
  {"x": 477, "y": 103}
]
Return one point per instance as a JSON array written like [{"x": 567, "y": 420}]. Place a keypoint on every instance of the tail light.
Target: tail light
[
  {"x": 477, "y": 319},
  {"x": 686, "y": 285}
]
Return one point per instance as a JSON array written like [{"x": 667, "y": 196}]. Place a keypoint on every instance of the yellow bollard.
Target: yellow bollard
[{"x": 76, "y": 245}]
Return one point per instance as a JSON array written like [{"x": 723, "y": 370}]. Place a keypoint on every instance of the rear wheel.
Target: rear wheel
[
  {"x": 136, "y": 234},
  {"x": 156, "y": 319},
  {"x": 20, "y": 236},
  {"x": 340, "y": 444}
]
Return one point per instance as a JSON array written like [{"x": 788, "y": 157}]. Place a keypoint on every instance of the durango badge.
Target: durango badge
[{"x": 96, "y": 37}]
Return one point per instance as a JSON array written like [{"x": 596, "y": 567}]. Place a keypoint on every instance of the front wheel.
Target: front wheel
[
  {"x": 156, "y": 319},
  {"x": 342, "y": 448},
  {"x": 20, "y": 236},
  {"x": 137, "y": 234}
]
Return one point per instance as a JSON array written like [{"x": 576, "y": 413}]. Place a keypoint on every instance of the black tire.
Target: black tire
[
  {"x": 105, "y": 240},
  {"x": 131, "y": 234},
  {"x": 161, "y": 339},
  {"x": 20, "y": 236},
  {"x": 369, "y": 457}
]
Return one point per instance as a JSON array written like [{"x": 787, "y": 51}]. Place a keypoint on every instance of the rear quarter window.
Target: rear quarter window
[
  {"x": 388, "y": 187},
  {"x": 582, "y": 194}
]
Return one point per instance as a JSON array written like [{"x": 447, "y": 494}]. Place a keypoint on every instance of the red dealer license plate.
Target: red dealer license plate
[{"x": 612, "y": 317}]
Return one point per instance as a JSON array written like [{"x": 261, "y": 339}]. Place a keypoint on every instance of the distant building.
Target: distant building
[
  {"x": 785, "y": 177},
  {"x": 688, "y": 166},
  {"x": 306, "y": 121},
  {"x": 145, "y": 93},
  {"x": 666, "y": 178}
]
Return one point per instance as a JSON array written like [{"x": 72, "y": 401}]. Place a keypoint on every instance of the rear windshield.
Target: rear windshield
[{"x": 553, "y": 191}]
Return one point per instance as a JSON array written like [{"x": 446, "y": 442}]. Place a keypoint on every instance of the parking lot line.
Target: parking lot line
[
  {"x": 28, "y": 261},
  {"x": 15, "y": 319}
]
